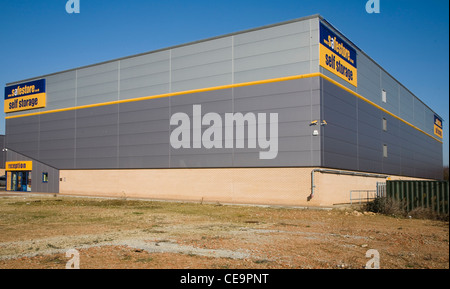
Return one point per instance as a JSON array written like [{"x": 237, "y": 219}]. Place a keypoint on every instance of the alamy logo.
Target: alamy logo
[
  {"x": 220, "y": 133},
  {"x": 73, "y": 6},
  {"x": 373, "y": 6}
]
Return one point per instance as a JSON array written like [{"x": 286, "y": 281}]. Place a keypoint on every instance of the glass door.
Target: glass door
[
  {"x": 21, "y": 181},
  {"x": 13, "y": 181},
  {"x": 28, "y": 181}
]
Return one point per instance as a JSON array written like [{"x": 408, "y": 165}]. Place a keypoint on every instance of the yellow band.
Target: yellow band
[{"x": 318, "y": 74}]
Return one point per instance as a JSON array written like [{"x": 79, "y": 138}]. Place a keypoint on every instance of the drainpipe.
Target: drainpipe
[{"x": 340, "y": 172}]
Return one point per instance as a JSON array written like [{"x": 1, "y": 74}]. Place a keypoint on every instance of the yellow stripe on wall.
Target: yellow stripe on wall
[
  {"x": 318, "y": 74},
  {"x": 377, "y": 106},
  {"x": 173, "y": 94}
]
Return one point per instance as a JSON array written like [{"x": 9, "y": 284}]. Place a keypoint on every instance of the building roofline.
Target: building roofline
[
  {"x": 173, "y": 47},
  {"x": 321, "y": 18},
  {"x": 377, "y": 64}
]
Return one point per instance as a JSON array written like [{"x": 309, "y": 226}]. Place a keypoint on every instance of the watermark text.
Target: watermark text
[
  {"x": 73, "y": 6},
  {"x": 373, "y": 6}
]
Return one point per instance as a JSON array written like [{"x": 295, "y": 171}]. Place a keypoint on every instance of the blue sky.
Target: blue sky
[{"x": 409, "y": 38}]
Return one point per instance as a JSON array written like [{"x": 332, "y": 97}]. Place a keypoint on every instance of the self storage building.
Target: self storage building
[{"x": 292, "y": 113}]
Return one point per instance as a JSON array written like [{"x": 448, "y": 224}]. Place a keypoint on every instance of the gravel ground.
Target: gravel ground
[{"x": 37, "y": 231}]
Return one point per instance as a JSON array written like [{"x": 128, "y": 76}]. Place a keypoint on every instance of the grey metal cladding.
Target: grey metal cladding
[
  {"x": 23, "y": 135},
  {"x": 339, "y": 110},
  {"x": 144, "y": 134},
  {"x": 98, "y": 84},
  {"x": 215, "y": 98},
  {"x": 61, "y": 90},
  {"x": 354, "y": 138},
  {"x": 204, "y": 64},
  {"x": 296, "y": 103},
  {"x": 391, "y": 87},
  {"x": 406, "y": 105},
  {"x": 217, "y": 101},
  {"x": 276, "y": 52},
  {"x": 57, "y": 139},
  {"x": 372, "y": 79},
  {"x": 145, "y": 75},
  {"x": 136, "y": 134},
  {"x": 37, "y": 185},
  {"x": 97, "y": 137},
  {"x": 3, "y": 152},
  {"x": 285, "y": 49}
]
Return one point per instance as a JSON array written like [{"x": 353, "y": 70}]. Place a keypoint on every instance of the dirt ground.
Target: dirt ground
[{"x": 37, "y": 231}]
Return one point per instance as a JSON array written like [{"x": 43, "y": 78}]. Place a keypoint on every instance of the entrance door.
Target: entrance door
[
  {"x": 13, "y": 181},
  {"x": 21, "y": 181}
]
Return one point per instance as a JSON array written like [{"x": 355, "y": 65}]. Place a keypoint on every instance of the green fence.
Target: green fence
[{"x": 420, "y": 194}]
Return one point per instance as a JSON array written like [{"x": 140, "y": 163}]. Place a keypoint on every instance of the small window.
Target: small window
[
  {"x": 45, "y": 177},
  {"x": 385, "y": 152},
  {"x": 384, "y": 124},
  {"x": 383, "y": 96}
]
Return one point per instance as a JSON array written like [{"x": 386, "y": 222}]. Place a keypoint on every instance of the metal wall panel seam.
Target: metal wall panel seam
[
  {"x": 118, "y": 115},
  {"x": 357, "y": 134},
  {"x": 170, "y": 102},
  {"x": 322, "y": 135},
  {"x": 232, "y": 97},
  {"x": 76, "y": 117}
]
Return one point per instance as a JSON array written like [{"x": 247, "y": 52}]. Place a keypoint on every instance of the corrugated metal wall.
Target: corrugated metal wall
[
  {"x": 354, "y": 138},
  {"x": 2, "y": 151},
  {"x": 277, "y": 51},
  {"x": 136, "y": 134},
  {"x": 372, "y": 79}
]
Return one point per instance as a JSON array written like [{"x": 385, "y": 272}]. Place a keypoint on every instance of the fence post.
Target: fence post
[
  {"x": 438, "y": 198},
  {"x": 446, "y": 192},
  {"x": 427, "y": 192},
  {"x": 433, "y": 197},
  {"x": 420, "y": 193},
  {"x": 416, "y": 195}
]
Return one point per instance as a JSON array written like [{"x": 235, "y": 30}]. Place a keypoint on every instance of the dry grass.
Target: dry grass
[
  {"x": 36, "y": 231},
  {"x": 392, "y": 207}
]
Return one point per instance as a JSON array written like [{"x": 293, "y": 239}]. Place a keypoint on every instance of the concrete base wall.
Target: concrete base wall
[{"x": 270, "y": 186}]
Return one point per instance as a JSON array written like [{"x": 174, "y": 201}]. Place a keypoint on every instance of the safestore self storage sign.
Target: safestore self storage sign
[
  {"x": 438, "y": 127},
  {"x": 25, "y": 96},
  {"x": 337, "y": 56}
]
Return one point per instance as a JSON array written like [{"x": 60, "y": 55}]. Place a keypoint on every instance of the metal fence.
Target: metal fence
[
  {"x": 432, "y": 195},
  {"x": 381, "y": 189},
  {"x": 361, "y": 196}
]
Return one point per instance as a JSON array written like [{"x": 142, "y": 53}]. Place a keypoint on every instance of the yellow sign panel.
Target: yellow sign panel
[
  {"x": 25, "y": 102},
  {"x": 438, "y": 127},
  {"x": 337, "y": 56},
  {"x": 438, "y": 132},
  {"x": 337, "y": 65},
  {"x": 25, "y": 96},
  {"x": 19, "y": 166}
]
